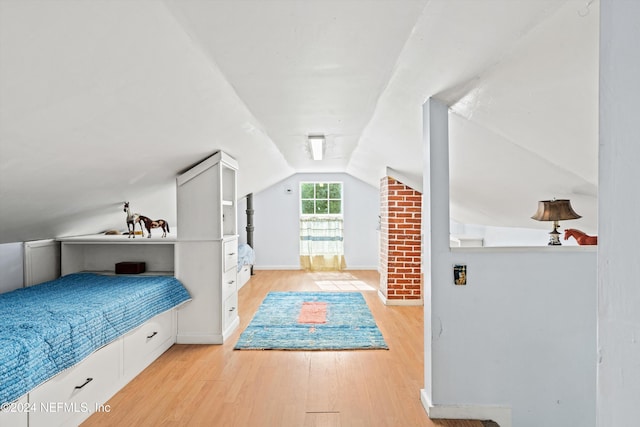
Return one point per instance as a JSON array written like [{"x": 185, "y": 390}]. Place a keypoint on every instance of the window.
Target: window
[
  {"x": 321, "y": 198},
  {"x": 321, "y": 226}
]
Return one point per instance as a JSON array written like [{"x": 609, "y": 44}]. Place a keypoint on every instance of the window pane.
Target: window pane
[
  {"x": 334, "y": 191},
  {"x": 322, "y": 191},
  {"x": 322, "y": 207},
  {"x": 306, "y": 191},
  {"x": 307, "y": 207},
  {"x": 335, "y": 206}
]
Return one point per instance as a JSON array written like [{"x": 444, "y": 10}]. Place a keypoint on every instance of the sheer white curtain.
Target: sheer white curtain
[{"x": 321, "y": 243}]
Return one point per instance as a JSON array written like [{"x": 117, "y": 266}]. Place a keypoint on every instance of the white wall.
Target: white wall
[
  {"x": 11, "y": 266},
  {"x": 619, "y": 204},
  {"x": 512, "y": 236},
  {"x": 520, "y": 334},
  {"x": 277, "y": 227},
  {"x": 516, "y": 344}
]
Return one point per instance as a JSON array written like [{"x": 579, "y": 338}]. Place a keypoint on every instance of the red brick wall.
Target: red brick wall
[{"x": 400, "y": 228}]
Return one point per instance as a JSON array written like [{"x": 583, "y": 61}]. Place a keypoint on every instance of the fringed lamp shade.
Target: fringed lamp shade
[{"x": 555, "y": 210}]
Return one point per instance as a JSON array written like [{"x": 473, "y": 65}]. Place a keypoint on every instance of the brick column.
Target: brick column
[{"x": 400, "y": 250}]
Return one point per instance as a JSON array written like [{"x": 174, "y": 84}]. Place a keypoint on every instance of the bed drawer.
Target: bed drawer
[
  {"x": 229, "y": 283},
  {"x": 142, "y": 341},
  {"x": 73, "y": 395},
  {"x": 230, "y": 309},
  {"x": 243, "y": 275},
  {"x": 15, "y": 413},
  {"x": 230, "y": 253}
]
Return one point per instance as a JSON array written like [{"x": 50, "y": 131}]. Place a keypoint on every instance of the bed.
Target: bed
[
  {"x": 246, "y": 259},
  {"x": 49, "y": 328}
]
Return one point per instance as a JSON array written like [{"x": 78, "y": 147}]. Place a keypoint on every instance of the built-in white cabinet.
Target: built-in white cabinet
[
  {"x": 74, "y": 394},
  {"x": 207, "y": 200},
  {"x": 207, "y": 250},
  {"x": 100, "y": 253}
]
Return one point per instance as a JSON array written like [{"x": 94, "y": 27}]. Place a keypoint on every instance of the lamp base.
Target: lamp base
[{"x": 554, "y": 236}]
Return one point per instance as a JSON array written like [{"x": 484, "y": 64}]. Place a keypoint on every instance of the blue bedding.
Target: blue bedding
[
  {"x": 47, "y": 328},
  {"x": 246, "y": 255}
]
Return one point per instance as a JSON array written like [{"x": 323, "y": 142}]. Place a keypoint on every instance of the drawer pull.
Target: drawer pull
[
  {"x": 232, "y": 309},
  {"x": 152, "y": 335},
  {"x": 231, "y": 282},
  {"x": 78, "y": 387},
  {"x": 232, "y": 253}
]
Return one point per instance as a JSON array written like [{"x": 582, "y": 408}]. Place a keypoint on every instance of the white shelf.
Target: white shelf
[
  {"x": 146, "y": 273},
  {"x": 100, "y": 253},
  {"x": 207, "y": 199},
  {"x": 101, "y": 239}
]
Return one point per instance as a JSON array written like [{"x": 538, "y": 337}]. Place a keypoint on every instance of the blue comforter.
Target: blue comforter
[
  {"x": 50, "y": 327},
  {"x": 246, "y": 255}
]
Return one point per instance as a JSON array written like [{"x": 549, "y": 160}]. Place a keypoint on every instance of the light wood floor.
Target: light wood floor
[{"x": 213, "y": 385}]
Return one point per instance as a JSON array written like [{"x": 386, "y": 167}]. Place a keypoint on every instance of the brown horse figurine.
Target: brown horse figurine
[
  {"x": 158, "y": 223},
  {"x": 581, "y": 237}
]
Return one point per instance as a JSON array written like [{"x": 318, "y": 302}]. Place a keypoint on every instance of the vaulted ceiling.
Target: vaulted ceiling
[{"x": 105, "y": 101}]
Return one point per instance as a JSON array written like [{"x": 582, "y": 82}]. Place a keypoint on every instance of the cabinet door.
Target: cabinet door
[
  {"x": 230, "y": 309},
  {"x": 198, "y": 268},
  {"x": 140, "y": 343},
  {"x": 78, "y": 392},
  {"x": 230, "y": 250},
  {"x": 15, "y": 414},
  {"x": 229, "y": 283}
]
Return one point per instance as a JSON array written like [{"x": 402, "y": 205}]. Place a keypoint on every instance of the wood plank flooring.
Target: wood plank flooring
[{"x": 213, "y": 385}]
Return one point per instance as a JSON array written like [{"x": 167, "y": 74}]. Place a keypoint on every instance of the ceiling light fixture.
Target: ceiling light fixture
[{"x": 316, "y": 143}]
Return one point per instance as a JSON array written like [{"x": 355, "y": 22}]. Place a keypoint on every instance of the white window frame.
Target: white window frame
[{"x": 327, "y": 215}]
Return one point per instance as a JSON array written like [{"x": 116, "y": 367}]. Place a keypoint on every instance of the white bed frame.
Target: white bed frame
[{"x": 72, "y": 396}]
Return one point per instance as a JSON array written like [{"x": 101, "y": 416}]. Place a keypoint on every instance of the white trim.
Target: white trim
[
  {"x": 400, "y": 302},
  {"x": 297, "y": 267},
  {"x": 209, "y": 338},
  {"x": 328, "y": 199},
  {"x": 41, "y": 261},
  {"x": 361, "y": 267},
  {"x": 205, "y": 164},
  {"x": 498, "y": 414},
  {"x": 277, "y": 267},
  {"x": 507, "y": 249}
]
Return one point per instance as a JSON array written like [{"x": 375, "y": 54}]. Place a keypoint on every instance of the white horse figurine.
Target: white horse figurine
[{"x": 132, "y": 220}]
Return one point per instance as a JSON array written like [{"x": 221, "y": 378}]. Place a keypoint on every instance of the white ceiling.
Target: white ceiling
[{"x": 105, "y": 101}]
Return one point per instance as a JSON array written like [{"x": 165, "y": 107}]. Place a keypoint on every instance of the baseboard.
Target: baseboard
[
  {"x": 402, "y": 302},
  {"x": 209, "y": 338},
  {"x": 231, "y": 328},
  {"x": 362, "y": 267},
  {"x": 499, "y": 414},
  {"x": 199, "y": 339},
  {"x": 276, "y": 267},
  {"x": 297, "y": 267}
]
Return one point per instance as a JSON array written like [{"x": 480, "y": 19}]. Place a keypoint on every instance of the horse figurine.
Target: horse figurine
[
  {"x": 581, "y": 238},
  {"x": 159, "y": 223},
  {"x": 132, "y": 219}
]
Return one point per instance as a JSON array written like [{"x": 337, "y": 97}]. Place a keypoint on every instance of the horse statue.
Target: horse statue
[
  {"x": 581, "y": 237},
  {"x": 158, "y": 223},
  {"x": 132, "y": 219}
]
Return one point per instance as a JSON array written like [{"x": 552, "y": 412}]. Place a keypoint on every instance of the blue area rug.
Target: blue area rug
[{"x": 285, "y": 321}]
